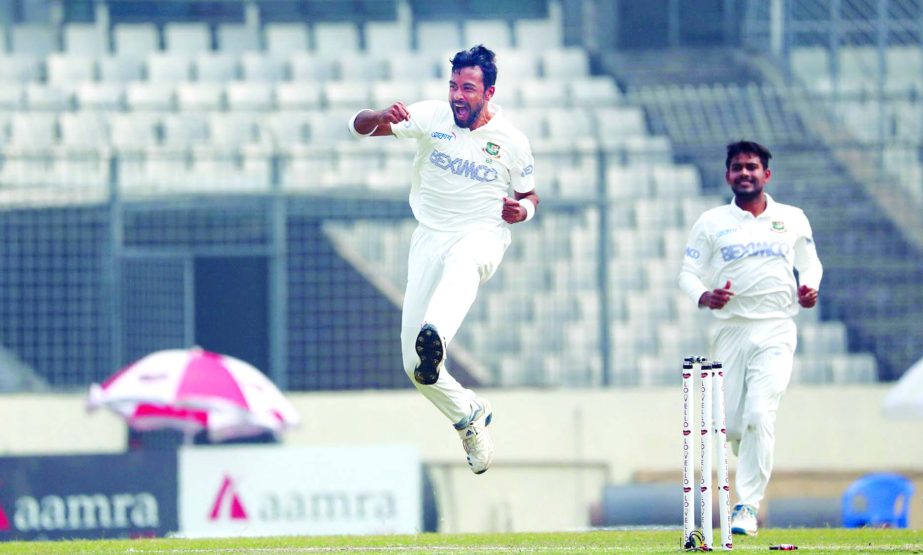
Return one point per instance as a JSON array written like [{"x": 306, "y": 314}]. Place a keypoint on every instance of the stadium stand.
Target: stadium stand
[{"x": 253, "y": 113}]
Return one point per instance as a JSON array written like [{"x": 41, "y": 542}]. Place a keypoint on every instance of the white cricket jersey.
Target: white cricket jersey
[
  {"x": 460, "y": 176},
  {"x": 757, "y": 254}
]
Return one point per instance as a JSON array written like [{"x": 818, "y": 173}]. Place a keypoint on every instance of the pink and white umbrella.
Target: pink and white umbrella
[{"x": 192, "y": 390}]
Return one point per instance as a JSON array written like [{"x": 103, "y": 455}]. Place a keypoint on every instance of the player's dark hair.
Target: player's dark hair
[
  {"x": 480, "y": 56},
  {"x": 747, "y": 147}
]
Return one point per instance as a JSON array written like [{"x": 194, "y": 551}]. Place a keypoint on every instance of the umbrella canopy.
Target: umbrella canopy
[
  {"x": 905, "y": 398},
  {"x": 192, "y": 390}
]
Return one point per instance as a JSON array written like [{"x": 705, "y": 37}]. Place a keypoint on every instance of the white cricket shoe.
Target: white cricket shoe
[
  {"x": 476, "y": 438},
  {"x": 743, "y": 520}
]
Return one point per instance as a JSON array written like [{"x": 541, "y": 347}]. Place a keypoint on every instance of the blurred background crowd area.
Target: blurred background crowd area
[{"x": 177, "y": 173}]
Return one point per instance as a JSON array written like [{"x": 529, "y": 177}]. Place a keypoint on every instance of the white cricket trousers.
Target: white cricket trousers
[
  {"x": 444, "y": 271},
  {"x": 757, "y": 357}
]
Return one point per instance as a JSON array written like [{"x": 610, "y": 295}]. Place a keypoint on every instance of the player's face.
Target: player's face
[
  {"x": 747, "y": 176},
  {"x": 467, "y": 95}
]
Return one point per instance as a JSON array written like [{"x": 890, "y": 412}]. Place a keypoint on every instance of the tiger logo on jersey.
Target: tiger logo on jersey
[{"x": 778, "y": 226}]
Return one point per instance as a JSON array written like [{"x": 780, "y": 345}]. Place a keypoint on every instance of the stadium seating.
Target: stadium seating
[{"x": 190, "y": 107}]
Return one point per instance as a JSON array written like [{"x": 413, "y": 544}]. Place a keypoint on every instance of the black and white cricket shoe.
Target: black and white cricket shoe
[{"x": 431, "y": 350}]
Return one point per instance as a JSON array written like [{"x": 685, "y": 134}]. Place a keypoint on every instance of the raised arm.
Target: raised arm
[{"x": 377, "y": 123}]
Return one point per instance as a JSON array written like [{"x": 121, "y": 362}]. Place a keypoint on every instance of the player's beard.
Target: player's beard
[
  {"x": 473, "y": 114},
  {"x": 747, "y": 195}
]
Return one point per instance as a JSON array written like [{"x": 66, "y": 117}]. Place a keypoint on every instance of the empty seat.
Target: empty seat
[
  {"x": 135, "y": 40},
  {"x": 593, "y": 92},
  {"x": 435, "y": 89},
  {"x": 215, "y": 67},
  {"x": 627, "y": 182},
  {"x": 100, "y": 96},
  {"x": 492, "y": 33},
  {"x": 385, "y": 93},
  {"x": 34, "y": 39},
  {"x": 648, "y": 150},
  {"x": 132, "y": 130},
  {"x": 28, "y": 167},
  {"x": 656, "y": 213},
  {"x": 187, "y": 38},
  {"x": 528, "y": 120},
  {"x": 622, "y": 121},
  {"x": 346, "y": 94},
  {"x": 298, "y": 95},
  {"x": 691, "y": 208},
  {"x": 565, "y": 63},
  {"x": 145, "y": 96},
  {"x": 578, "y": 183},
  {"x": 120, "y": 69},
  {"x": 660, "y": 274},
  {"x": 507, "y": 94},
  {"x": 284, "y": 39},
  {"x": 83, "y": 129},
  {"x": 286, "y": 128},
  {"x": 570, "y": 125},
  {"x": 388, "y": 36},
  {"x": 80, "y": 166},
  {"x": 538, "y": 93},
  {"x": 356, "y": 66},
  {"x": 249, "y": 96},
  {"x": 537, "y": 34},
  {"x": 676, "y": 181},
  {"x": 810, "y": 64},
  {"x": 416, "y": 66},
  {"x": 47, "y": 97},
  {"x": 67, "y": 69},
  {"x": 515, "y": 64},
  {"x": 878, "y": 500},
  {"x": 19, "y": 68},
  {"x": 34, "y": 130},
  {"x": 168, "y": 67},
  {"x": 257, "y": 66},
  {"x": 184, "y": 130},
  {"x": 438, "y": 36},
  {"x": 335, "y": 38},
  {"x": 329, "y": 126},
  {"x": 167, "y": 169},
  {"x": 11, "y": 99},
  {"x": 234, "y": 38},
  {"x": 309, "y": 67},
  {"x": 302, "y": 166},
  {"x": 230, "y": 129},
  {"x": 84, "y": 39},
  {"x": 634, "y": 245},
  {"x": 199, "y": 96}
]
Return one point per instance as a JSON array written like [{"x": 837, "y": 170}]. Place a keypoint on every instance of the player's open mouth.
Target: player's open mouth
[{"x": 461, "y": 112}]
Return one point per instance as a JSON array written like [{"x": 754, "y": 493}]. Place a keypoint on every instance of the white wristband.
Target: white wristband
[
  {"x": 352, "y": 126},
  {"x": 529, "y": 206}
]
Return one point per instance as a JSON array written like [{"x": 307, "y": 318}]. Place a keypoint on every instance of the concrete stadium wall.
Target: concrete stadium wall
[{"x": 555, "y": 449}]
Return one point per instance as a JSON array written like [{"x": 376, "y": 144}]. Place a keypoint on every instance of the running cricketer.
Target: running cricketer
[{"x": 739, "y": 263}]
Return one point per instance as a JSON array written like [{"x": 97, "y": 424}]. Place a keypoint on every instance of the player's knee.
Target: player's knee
[{"x": 759, "y": 420}]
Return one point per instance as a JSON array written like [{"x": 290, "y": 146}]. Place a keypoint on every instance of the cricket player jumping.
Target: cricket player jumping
[
  {"x": 739, "y": 262},
  {"x": 468, "y": 159}
]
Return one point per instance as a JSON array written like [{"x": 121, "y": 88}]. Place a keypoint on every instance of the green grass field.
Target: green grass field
[{"x": 617, "y": 541}]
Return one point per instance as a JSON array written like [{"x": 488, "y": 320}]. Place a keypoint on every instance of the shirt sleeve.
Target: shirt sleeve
[
  {"x": 421, "y": 117},
  {"x": 810, "y": 269},
  {"x": 521, "y": 174},
  {"x": 696, "y": 261}
]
